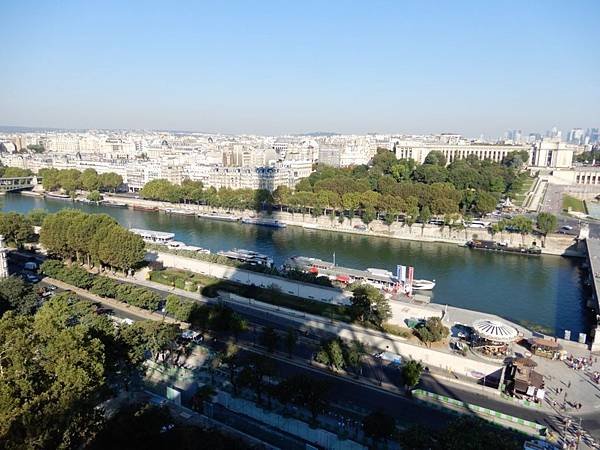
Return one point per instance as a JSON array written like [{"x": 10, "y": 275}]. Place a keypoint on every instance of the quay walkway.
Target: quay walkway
[{"x": 593, "y": 255}]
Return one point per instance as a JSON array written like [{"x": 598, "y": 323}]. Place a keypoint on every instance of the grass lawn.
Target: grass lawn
[
  {"x": 574, "y": 203},
  {"x": 518, "y": 195}
]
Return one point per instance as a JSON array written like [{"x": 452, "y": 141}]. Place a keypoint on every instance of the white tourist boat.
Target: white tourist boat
[
  {"x": 154, "y": 237},
  {"x": 423, "y": 285},
  {"x": 180, "y": 212},
  {"x": 273, "y": 223}
]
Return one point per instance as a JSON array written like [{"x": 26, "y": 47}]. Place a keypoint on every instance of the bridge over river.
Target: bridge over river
[
  {"x": 593, "y": 253},
  {"x": 18, "y": 183}
]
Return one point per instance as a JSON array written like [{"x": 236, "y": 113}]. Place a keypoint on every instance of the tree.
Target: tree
[
  {"x": 122, "y": 249},
  {"x": 353, "y": 354},
  {"x": 305, "y": 391},
  {"x": 269, "y": 339},
  {"x": 331, "y": 353},
  {"x": 36, "y": 216},
  {"x": 231, "y": 358},
  {"x": 18, "y": 296},
  {"x": 485, "y": 202},
  {"x": 411, "y": 373},
  {"x": 369, "y": 305},
  {"x": 54, "y": 370},
  {"x": 379, "y": 425},
  {"x": 90, "y": 180},
  {"x": 110, "y": 181},
  {"x": 16, "y": 172},
  {"x": 16, "y": 228},
  {"x": 238, "y": 325},
  {"x": 429, "y": 174},
  {"x": 424, "y": 216},
  {"x": 203, "y": 394},
  {"x": 546, "y": 223},
  {"x": 254, "y": 373},
  {"x": 94, "y": 196},
  {"x": 435, "y": 157},
  {"x": 291, "y": 338},
  {"x": 432, "y": 331}
]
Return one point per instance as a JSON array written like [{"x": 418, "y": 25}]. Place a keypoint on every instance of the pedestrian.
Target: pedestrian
[{"x": 569, "y": 385}]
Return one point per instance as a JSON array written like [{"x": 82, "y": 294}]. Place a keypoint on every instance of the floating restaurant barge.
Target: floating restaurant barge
[
  {"x": 502, "y": 247},
  {"x": 378, "y": 278}
]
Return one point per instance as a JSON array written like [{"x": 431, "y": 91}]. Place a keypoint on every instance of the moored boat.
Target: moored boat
[
  {"x": 114, "y": 204},
  {"x": 423, "y": 285},
  {"x": 154, "y": 237},
  {"x": 180, "y": 212},
  {"x": 247, "y": 256},
  {"x": 144, "y": 208},
  {"x": 218, "y": 216},
  {"x": 503, "y": 247},
  {"x": 273, "y": 223},
  {"x": 58, "y": 196}
]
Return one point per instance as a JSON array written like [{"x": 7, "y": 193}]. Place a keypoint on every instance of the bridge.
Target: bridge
[
  {"x": 18, "y": 183},
  {"x": 593, "y": 254}
]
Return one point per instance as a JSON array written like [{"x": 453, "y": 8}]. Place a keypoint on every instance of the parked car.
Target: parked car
[{"x": 30, "y": 265}]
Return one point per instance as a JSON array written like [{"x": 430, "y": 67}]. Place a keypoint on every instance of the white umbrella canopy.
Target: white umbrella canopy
[{"x": 492, "y": 330}]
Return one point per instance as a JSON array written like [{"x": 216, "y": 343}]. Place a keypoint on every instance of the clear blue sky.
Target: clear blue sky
[{"x": 273, "y": 67}]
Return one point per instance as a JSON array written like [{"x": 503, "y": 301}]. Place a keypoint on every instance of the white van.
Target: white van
[{"x": 479, "y": 224}]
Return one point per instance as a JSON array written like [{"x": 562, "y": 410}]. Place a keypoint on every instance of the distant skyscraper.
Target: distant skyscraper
[{"x": 575, "y": 136}]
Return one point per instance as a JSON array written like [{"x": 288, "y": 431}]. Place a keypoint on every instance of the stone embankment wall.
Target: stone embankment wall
[{"x": 553, "y": 245}]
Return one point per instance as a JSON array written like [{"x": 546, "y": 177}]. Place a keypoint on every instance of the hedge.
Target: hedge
[{"x": 102, "y": 286}]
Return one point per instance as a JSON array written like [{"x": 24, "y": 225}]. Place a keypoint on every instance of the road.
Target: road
[{"x": 366, "y": 394}]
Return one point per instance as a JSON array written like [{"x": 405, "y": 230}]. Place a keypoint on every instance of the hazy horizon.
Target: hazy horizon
[{"x": 276, "y": 68}]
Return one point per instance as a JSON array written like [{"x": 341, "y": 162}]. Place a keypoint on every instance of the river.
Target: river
[{"x": 544, "y": 290}]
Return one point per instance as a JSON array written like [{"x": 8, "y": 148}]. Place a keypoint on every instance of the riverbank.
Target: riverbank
[
  {"x": 545, "y": 290},
  {"x": 558, "y": 245}
]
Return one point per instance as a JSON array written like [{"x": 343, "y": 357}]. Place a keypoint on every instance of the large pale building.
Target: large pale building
[
  {"x": 418, "y": 150},
  {"x": 552, "y": 153}
]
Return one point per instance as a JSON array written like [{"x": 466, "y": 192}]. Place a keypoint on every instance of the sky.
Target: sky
[{"x": 278, "y": 67}]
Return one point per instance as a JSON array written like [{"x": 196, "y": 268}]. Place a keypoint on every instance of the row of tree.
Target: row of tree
[
  {"x": 93, "y": 239},
  {"x": 14, "y": 172},
  {"x": 102, "y": 286},
  {"x": 70, "y": 180},
  {"x": 386, "y": 188}
]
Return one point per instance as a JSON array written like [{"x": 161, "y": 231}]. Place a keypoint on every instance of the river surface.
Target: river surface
[{"x": 544, "y": 290}]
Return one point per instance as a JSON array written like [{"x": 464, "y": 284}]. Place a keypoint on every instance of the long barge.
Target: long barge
[
  {"x": 493, "y": 246},
  {"x": 273, "y": 223},
  {"x": 217, "y": 216},
  {"x": 247, "y": 256},
  {"x": 378, "y": 278},
  {"x": 144, "y": 208}
]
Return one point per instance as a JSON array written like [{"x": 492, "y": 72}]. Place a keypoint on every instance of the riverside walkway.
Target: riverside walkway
[{"x": 593, "y": 255}]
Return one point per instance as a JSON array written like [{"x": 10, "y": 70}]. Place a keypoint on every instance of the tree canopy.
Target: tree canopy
[
  {"x": 56, "y": 368},
  {"x": 91, "y": 239},
  {"x": 369, "y": 305},
  {"x": 71, "y": 180}
]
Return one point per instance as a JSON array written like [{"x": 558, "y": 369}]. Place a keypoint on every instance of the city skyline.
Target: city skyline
[{"x": 274, "y": 69}]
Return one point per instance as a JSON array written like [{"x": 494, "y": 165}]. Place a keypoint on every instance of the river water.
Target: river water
[{"x": 544, "y": 290}]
